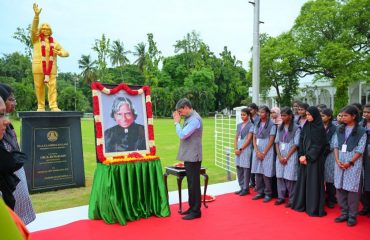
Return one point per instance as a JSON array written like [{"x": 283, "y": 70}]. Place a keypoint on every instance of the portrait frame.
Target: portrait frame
[{"x": 103, "y": 97}]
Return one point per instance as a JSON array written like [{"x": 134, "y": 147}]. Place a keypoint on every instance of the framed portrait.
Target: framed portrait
[{"x": 123, "y": 123}]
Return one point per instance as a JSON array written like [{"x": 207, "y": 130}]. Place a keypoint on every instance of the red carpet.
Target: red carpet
[{"x": 229, "y": 217}]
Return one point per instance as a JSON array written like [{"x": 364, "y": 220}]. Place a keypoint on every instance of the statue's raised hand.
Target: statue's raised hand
[{"x": 36, "y": 9}]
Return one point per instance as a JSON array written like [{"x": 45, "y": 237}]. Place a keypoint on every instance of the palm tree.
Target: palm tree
[
  {"x": 88, "y": 68},
  {"x": 117, "y": 54},
  {"x": 140, "y": 53}
]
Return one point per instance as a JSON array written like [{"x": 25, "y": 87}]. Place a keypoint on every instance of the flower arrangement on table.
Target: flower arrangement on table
[{"x": 122, "y": 157}]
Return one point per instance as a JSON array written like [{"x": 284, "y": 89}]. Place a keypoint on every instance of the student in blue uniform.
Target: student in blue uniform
[
  {"x": 286, "y": 141},
  {"x": 348, "y": 151},
  {"x": 295, "y": 109},
  {"x": 330, "y": 128},
  {"x": 302, "y": 108},
  {"x": 263, "y": 155},
  {"x": 255, "y": 119},
  {"x": 243, "y": 151}
]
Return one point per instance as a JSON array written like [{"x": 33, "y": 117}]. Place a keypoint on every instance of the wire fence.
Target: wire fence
[{"x": 225, "y": 128}]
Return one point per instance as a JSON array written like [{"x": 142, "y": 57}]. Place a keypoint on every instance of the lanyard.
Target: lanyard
[
  {"x": 260, "y": 129},
  {"x": 241, "y": 129},
  {"x": 285, "y": 134},
  {"x": 347, "y": 134}
]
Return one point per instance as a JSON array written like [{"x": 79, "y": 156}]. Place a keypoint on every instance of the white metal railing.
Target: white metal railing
[{"x": 225, "y": 128}]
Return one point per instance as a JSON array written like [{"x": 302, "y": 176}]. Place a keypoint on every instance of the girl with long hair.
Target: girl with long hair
[
  {"x": 263, "y": 155},
  {"x": 330, "y": 128},
  {"x": 286, "y": 143},
  {"x": 348, "y": 151},
  {"x": 243, "y": 151}
]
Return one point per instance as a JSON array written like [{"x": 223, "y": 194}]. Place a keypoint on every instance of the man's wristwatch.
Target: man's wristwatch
[
  {"x": 351, "y": 163},
  {"x": 240, "y": 149}
]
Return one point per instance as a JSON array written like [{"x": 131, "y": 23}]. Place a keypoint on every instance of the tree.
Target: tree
[
  {"x": 17, "y": 66},
  {"x": 280, "y": 61},
  {"x": 24, "y": 37},
  {"x": 200, "y": 88},
  {"x": 163, "y": 101},
  {"x": 333, "y": 36},
  {"x": 140, "y": 53},
  {"x": 130, "y": 74},
  {"x": 230, "y": 80},
  {"x": 117, "y": 54},
  {"x": 152, "y": 59},
  {"x": 190, "y": 47},
  {"x": 25, "y": 95},
  {"x": 88, "y": 68},
  {"x": 101, "y": 47},
  {"x": 71, "y": 100}
]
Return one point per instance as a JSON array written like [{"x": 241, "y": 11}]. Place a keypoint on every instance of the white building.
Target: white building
[{"x": 322, "y": 92}]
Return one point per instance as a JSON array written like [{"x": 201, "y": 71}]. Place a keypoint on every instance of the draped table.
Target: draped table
[{"x": 128, "y": 191}]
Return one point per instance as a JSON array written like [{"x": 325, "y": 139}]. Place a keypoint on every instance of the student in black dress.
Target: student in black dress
[
  {"x": 309, "y": 189},
  {"x": 365, "y": 198}
]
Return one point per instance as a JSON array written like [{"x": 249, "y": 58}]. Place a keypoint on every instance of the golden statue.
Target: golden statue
[{"x": 44, "y": 62}]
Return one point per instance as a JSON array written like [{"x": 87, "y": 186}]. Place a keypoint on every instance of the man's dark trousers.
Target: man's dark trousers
[{"x": 193, "y": 178}]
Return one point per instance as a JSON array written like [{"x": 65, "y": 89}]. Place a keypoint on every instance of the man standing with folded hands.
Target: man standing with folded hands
[{"x": 190, "y": 151}]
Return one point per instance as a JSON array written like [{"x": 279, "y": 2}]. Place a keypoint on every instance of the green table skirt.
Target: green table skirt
[{"x": 128, "y": 192}]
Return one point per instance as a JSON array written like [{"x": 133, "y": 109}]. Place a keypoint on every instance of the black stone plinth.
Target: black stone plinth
[{"x": 53, "y": 143}]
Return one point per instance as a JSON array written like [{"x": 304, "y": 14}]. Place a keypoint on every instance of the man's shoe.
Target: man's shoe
[
  {"x": 341, "y": 218},
  {"x": 279, "y": 201},
  {"x": 267, "y": 199},
  {"x": 258, "y": 196},
  {"x": 244, "y": 192},
  {"x": 238, "y": 192},
  {"x": 363, "y": 212},
  {"x": 192, "y": 216},
  {"x": 41, "y": 109},
  {"x": 186, "y": 212},
  {"x": 331, "y": 205},
  {"x": 288, "y": 205},
  {"x": 351, "y": 222}
]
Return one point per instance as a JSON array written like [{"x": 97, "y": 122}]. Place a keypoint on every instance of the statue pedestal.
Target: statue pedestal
[{"x": 53, "y": 143}]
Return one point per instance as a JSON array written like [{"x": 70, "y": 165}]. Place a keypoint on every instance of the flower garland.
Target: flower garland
[
  {"x": 133, "y": 156},
  {"x": 45, "y": 70}
]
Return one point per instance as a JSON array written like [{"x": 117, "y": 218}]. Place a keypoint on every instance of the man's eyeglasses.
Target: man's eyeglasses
[{"x": 11, "y": 99}]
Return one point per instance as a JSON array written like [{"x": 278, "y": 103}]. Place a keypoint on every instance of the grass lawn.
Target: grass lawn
[{"x": 167, "y": 144}]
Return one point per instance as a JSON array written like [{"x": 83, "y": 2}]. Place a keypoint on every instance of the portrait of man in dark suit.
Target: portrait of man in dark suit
[{"x": 126, "y": 135}]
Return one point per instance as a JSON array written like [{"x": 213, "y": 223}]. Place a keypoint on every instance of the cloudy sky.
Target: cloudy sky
[{"x": 76, "y": 24}]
